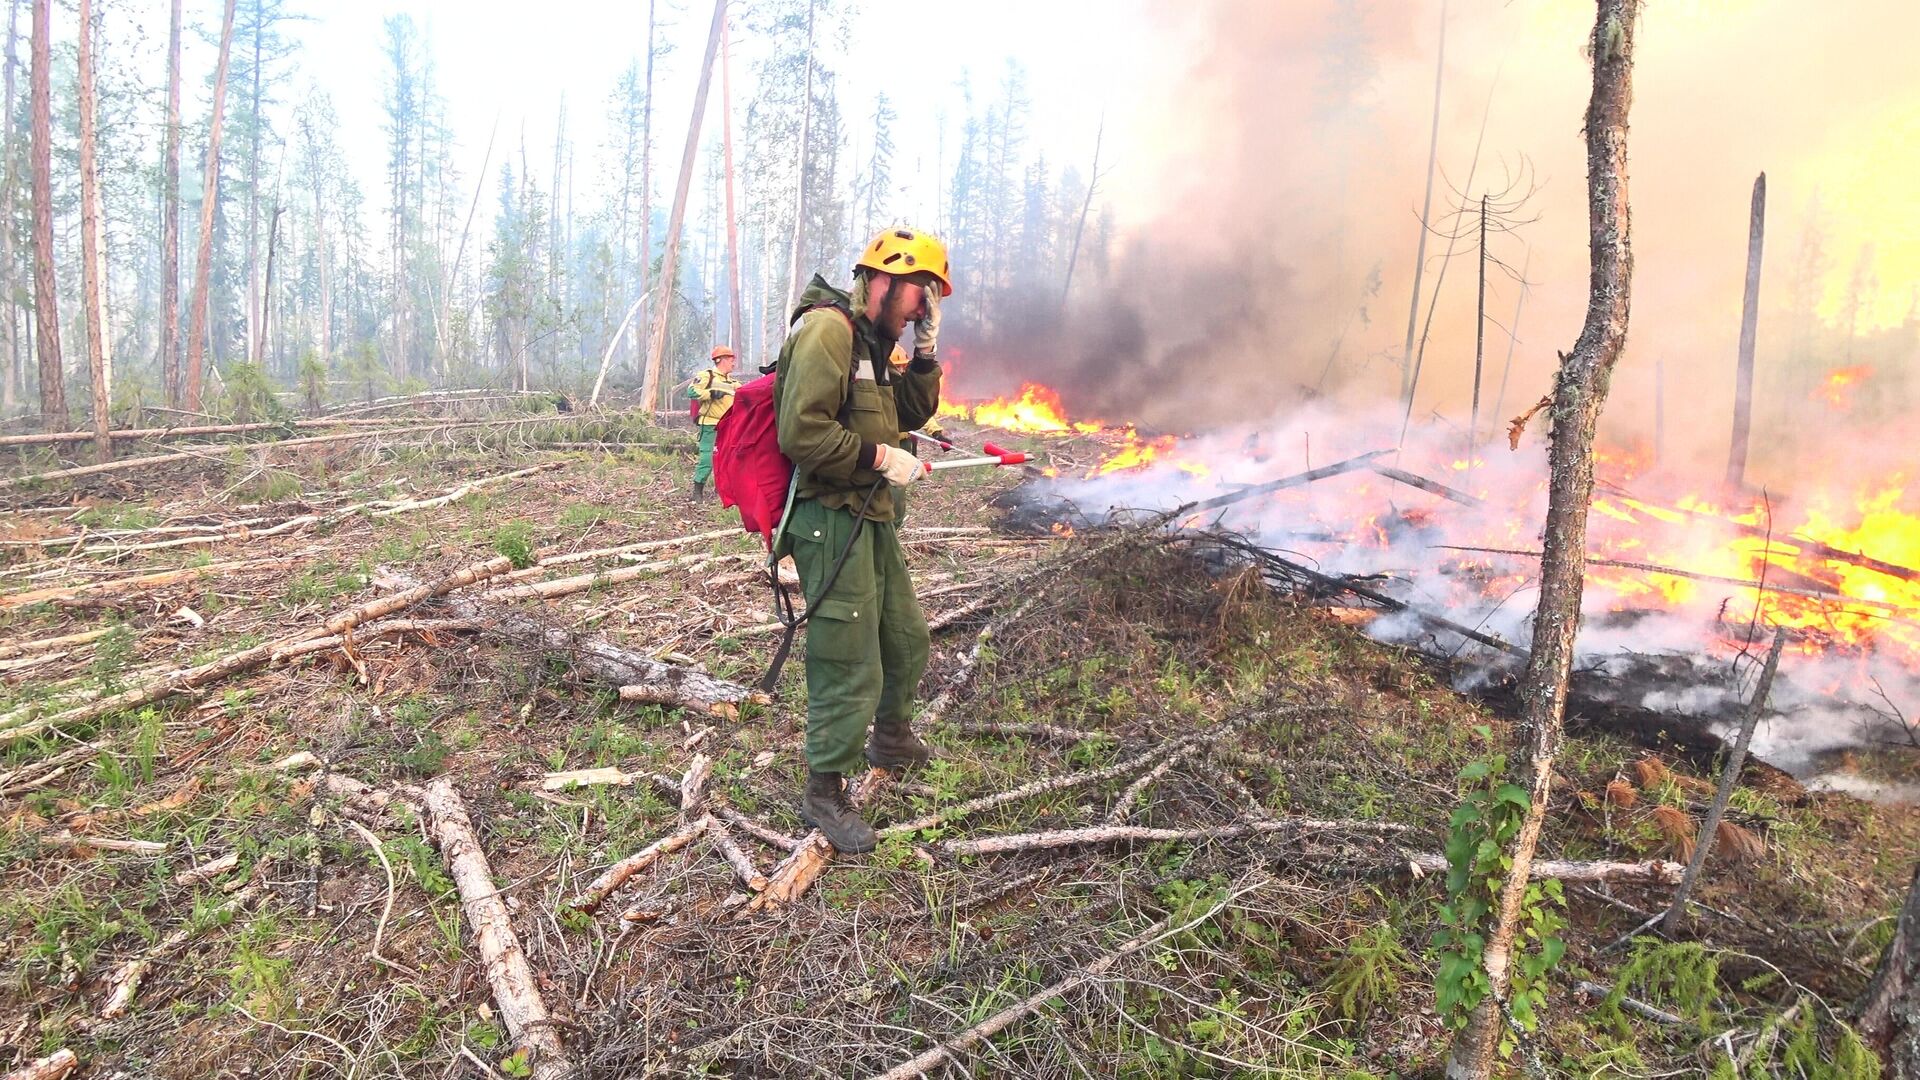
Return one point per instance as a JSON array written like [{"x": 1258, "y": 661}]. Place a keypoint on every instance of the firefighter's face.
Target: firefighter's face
[{"x": 899, "y": 302}]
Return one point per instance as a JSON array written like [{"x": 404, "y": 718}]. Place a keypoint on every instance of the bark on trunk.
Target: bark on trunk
[
  {"x": 209, "y": 198},
  {"x": 1890, "y": 1009},
  {"x": 657, "y": 341},
  {"x": 1579, "y": 393},
  {"x": 93, "y": 270},
  {"x": 1749, "y": 324},
  {"x": 646, "y": 173},
  {"x": 46, "y": 292},
  {"x": 170, "y": 223}
]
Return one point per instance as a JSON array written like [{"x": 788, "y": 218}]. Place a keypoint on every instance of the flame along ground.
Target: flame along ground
[{"x": 1366, "y": 523}]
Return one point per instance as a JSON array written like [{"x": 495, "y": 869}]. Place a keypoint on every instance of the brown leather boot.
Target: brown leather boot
[
  {"x": 827, "y": 808},
  {"x": 895, "y": 746}
]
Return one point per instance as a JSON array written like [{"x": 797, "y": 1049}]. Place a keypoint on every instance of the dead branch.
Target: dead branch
[
  {"x": 1433, "y": 487},
  {"x": 616, "y": 875},
  {"x": 1123, "y": 806},
  {"x": 693, "y": 786},
  {"x": 551, "y": 557},
  {"x": 1651, "y": 872},
  {"x": 463, "y": 490},
  {"x": 65, "y": 641},
  {"x": 797, "y": 872},
  {"x": 743, "y": 867},
  {"x": 138, "y": 581},
  {"x": 163, "y": 434},
  {"x": 514, "y": 990},
  {"x": 248, "y": 659},
  {"x": 1119, "y": 834},
  {"x": 575, "y": 778},
  {"x": 567, "y": 586},
  {"x": 407, "y": 436},
  {"x": 1271, "y": 486},
  {"x": 208, "y": 870},
  {"x": 1595, "y": 992},
  {"x": 125, "y": 982},
  {"x": 755, "y": 828}
]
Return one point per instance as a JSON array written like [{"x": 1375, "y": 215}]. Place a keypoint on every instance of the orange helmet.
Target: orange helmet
[
  {"x": 907, "y": 251},
  {"x": 722, "y": 350}
]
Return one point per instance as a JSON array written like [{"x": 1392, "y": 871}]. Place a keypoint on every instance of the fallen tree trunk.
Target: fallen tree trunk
[
  {"x": 637, "y": 676},
  {"x": 409, "y": 435},
  {"x": 1432, "y": 487},
  {"x": 163, "y": 434},
  {"x": 1651, "y": 872},
  {"x": 508, "y": 974},
  {"x": 248, "y": 659},
  {"x": 25, "y": 648},
  {"x": 1271, "y": 486}
]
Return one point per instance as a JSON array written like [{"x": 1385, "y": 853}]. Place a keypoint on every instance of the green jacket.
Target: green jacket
[{"x": 833, "y": 461}]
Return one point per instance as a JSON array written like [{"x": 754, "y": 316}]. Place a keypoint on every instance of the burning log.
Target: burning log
[
  {"x": 1712, "y": 579},
  {"x": 1804, "y": 544},
  {"x": 1308, "y": 477},
  {"x": 1430, "y": 486}
]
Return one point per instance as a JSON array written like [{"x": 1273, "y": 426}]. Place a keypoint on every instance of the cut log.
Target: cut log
[
  {"x": 575, "y": 778},
  {"x": 693, "y": 786},
  {"x": 508, "y": 974},
  {"x": 463, "y": 490},
  {"x": 65, "y": 641}
]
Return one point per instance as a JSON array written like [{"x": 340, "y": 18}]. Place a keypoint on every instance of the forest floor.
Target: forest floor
[{"x": 1264, "y": 921}]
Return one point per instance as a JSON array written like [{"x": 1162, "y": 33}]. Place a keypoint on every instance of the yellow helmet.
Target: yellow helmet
[{"x": 906, "y": 251}]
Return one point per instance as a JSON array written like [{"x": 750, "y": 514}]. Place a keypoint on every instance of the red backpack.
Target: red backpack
[{"x": 749, "y": 471}]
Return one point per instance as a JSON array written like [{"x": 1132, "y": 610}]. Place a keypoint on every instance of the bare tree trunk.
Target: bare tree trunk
[
  {"x": 445, "y": 318},
  {"x": 1479, "y": 336},
  {"x": 1749, "y": 325},
  {"x": 209, "y": 197},
  {"x": 320, "y": 252},
  {"x": 92, "y": 268},
  {"x": 657, "y": 342},
  {"x": 794, "y": 284},
  {"x": 1579, "y": 393},
  {"x": 736, "y": 336},
  {"x": 255, "y": 300},
  {"x": 46, "y": 295},
  {"x": 1676, "y": 914},
  {"x": 1890, "y": 1009},
  {"x": 15, "y": 379},
  {"x": 1426, "y": 210},
  {"x": 266, "y": 291},
  {"x": 1513, "y": 334},
  {"x": 1093, "y": 181},
  {"x": 170, "y": 222},
  {"x": 646, "y": 172}
]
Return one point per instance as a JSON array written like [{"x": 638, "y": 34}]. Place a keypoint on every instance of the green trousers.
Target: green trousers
[
  {"x": 703, "y": 471},
  {"x": 867, "y": 641}
]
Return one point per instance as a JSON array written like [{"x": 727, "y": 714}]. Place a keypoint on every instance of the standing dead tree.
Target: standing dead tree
[
  {"x": 657, "y": 340},
  {"x": 209, "y": 199},
  {"x": 1579, "y": 393},
  {"x": 1426, "y": 207},
  {"x": 1749, "y": 327},
  {"x": 1890, "y": 1009}
]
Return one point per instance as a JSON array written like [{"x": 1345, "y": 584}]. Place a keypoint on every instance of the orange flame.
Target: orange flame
[{"x": 1838, "y": 387}]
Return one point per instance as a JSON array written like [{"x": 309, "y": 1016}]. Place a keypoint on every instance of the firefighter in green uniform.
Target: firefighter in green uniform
[
  {"x": 841, "y": 415},
  {"x": 713, "y": 389}
]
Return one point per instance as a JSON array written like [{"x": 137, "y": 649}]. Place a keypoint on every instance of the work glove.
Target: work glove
[
  {"x": 899, "y": 467},
  {"x": 926, "y": 332}
]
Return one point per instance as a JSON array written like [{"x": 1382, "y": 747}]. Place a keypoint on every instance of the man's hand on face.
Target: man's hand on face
[{"x": 926, "y": 329}]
